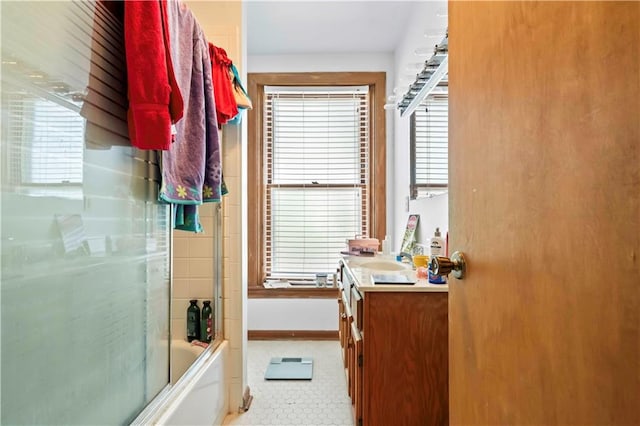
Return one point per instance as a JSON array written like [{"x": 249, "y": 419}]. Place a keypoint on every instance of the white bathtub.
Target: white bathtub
[
  {"x": 197, "y": 394},
  {"x": 183, "y": 355}
]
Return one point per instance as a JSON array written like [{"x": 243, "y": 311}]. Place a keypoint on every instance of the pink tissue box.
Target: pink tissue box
[{"x": 366, "y": 245}]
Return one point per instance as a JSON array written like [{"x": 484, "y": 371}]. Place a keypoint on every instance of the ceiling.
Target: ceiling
[{"x": 302, "y": 26}]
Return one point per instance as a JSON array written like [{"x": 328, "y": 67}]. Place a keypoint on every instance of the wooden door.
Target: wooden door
[{"x": 545, "y": 202}]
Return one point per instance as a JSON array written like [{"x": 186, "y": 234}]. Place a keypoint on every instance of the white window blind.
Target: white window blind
[
  {"x": 316, "y": 175},
  {"x": 430, "y": 146}
]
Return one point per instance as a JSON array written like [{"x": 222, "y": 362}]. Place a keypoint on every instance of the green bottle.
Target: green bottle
[
  {"x": 193, "y": 321},
  {"x": 206, "y": 322}
]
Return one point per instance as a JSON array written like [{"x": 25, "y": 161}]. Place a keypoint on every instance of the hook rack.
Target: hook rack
[{"x": 434, "y": 71}]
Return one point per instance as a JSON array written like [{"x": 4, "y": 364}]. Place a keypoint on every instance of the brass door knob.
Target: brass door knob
[{"x": 442, "y": 266}]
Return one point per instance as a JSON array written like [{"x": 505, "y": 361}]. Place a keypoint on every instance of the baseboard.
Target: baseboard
[{"x": 292, "y": 334}]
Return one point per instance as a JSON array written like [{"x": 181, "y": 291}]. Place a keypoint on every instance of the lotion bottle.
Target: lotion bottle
[{"x": 437, "y": 248}]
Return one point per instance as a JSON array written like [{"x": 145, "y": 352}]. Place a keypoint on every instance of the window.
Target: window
[
  {"x": 313, "y": 145},
  {"x": 316, "y": 174},
  {"x": 430, "y": 146},
  {"x": 45, "y": 146}
]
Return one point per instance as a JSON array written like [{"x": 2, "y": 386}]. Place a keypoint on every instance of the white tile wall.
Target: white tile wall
[
  {"x": 181, "y": 288},
  {"x": 200, "y": 247},
  {"x": 200, "y": 288},
  {"x": 233, "y": 279},
  {"x": 222, "y": 22},
  {"x": 193, "y": 270},
  {"x": 178, "y": 330}
]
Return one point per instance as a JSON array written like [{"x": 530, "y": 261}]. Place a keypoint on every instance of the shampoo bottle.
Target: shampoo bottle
[
  {"x": 437, "y": 248},
  {"x": 206, "y": 325},
  {"x": 386, "y": 245},
  {"x": 193, "y": 321}
]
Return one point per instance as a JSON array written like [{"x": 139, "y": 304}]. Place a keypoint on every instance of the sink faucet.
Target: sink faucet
[{"x": 407, "y": 255}]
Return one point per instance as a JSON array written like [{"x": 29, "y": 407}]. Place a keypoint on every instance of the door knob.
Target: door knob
[{"x": 442, "y": 266}]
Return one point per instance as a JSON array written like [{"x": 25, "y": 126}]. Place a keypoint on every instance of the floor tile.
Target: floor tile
[{"x": 320, "y": 401}]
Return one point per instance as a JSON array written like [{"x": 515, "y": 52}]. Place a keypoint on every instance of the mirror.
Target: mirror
[{"x": 429, "y": 144}]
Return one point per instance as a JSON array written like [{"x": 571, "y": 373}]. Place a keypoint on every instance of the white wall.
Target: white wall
[
  {"x": 335, "y": 62},
  {"x": 317, "y": 314},
  {"x": 293, "y": 314},
  {"x": 433, "y": 211}
]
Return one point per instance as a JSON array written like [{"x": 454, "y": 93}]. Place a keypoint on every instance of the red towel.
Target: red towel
[
  {"x": 226, "y": 107},
  {"x": 155, "y": 101}
]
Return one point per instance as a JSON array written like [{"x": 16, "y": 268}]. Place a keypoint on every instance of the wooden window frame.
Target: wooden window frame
[{"x": 255, "y": 173}]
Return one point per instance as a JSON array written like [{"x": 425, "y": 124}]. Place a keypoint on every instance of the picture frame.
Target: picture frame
[{"x": 409, "y": 237}]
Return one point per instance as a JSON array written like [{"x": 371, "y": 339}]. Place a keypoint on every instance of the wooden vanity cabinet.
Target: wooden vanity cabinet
[
  {"x": 405, "y": 358},
  {"x": 396, "y": 354}
]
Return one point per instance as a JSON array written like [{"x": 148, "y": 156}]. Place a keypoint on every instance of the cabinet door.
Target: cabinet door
[
  {"x": 350, "y": 358},
  {"x": 341, "y": 321},
  {"x": 346, "y": 319},
  {"x": 358, "y": 367},
  {"x": 356, "y": 307},
  {"x": 405, "y": 357}
]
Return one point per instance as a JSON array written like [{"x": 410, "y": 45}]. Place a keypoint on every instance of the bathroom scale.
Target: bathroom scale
[{"x": 289, "y": 369}]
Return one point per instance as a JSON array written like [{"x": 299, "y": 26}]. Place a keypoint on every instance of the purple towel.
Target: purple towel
[{"x": 191, "y": 168}]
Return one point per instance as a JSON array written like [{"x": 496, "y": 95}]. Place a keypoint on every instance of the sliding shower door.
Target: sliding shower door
[{"x": 85, "y": 281}]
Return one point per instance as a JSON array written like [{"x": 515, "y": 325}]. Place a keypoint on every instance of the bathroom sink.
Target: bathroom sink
[{"x": 384, "y": 265}]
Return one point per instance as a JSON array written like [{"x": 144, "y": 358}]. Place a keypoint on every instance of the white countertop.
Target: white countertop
[{"x": 362, "y": 276}]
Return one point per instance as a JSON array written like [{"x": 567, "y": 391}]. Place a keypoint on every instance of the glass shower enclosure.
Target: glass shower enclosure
[{"x": 85, "y": 248}]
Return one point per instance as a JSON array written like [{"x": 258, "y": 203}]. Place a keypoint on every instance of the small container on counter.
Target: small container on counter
[
  {"x": 321, "y": 280},
  {"x": 420, "y": 260},
  {"x": 422, "y": 272}
]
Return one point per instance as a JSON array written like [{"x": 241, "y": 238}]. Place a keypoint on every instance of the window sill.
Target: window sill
[{"x": 256, "y": 292}]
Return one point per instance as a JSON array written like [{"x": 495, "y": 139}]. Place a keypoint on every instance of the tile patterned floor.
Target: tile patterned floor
[{"x": 321, "y": 401}]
